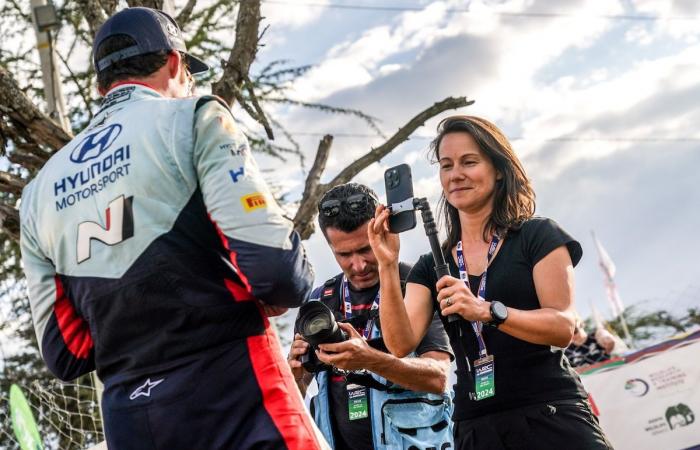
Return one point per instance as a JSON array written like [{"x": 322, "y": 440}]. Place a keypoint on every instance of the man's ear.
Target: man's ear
[{"x": 174, "y": 61}]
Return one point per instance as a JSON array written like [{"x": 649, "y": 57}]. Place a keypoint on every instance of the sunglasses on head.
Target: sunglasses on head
[{"x": 354, "y": 203}]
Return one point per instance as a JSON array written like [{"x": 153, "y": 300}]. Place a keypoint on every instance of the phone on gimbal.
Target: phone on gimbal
[{"x": 399, "y": 187}]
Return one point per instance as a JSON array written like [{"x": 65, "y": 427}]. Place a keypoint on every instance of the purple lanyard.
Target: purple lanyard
[
  {"x": 347, "y": 307},
  {"x": 464, "y": 275}
]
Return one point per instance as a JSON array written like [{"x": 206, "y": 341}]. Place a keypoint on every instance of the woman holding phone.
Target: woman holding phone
[{"x": 511, "y": 291}]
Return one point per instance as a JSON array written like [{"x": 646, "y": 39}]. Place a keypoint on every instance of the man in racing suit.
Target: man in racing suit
[{"x": 154, "y": 252}]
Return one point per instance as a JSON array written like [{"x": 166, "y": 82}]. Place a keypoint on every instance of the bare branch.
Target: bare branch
[
  {"x": 313, "y": 189},
  {"x": 94, "y": 14},
  {"x": 243, "y": 53},
  {"x": 15, "y": 104},
  {"x": 9, "y": 221},
  {"x": 402, "y": 135},
  {"x": 109, "y": 6},
  {"x": 258, "y": 110},
  {"x": 11, "y": 183},
  {"x": 155, "y": 4},
  {"x": 185, "y": 14},
  {"x": 32, "y": 160}
]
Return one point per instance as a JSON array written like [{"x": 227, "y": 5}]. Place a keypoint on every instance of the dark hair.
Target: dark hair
[
  {"x": 514, "y": 199},
  {"x": 139, "y": 66},
  {"x": 346, "y": 220}
]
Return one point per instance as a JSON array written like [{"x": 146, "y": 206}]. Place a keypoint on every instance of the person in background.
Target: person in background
[
  {"x": 515, "y": 389},
  {"x": 393, "y": 412}
]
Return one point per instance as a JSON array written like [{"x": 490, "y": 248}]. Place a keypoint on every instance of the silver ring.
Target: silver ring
[{"x": 448, "y": 301}]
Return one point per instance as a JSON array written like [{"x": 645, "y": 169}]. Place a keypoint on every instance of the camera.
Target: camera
[{"x": 317, "y": 325}]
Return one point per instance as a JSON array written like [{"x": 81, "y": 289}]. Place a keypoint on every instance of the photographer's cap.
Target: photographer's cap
[{"x": 151, "y": 29}]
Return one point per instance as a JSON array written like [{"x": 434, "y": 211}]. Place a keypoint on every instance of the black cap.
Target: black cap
[{"x": 151, "y": 29}]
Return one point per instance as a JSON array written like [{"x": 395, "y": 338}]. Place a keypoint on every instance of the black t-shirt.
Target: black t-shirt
[
  {"x": 357, "y": 434},
  {"x": 525, "y": 373},
  {"x": 590, "y": 352}
]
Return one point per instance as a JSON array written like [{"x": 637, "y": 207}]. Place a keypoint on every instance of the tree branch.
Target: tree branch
[
  {"x": 303, "y": 221},
  {"x": 9, "y": 221},
  {"x": 95, "y": 15},
  {"x": 23, "y": 113},
  {"x": 185, "y": 14},
  {"x": 313, "y": 190},
  {"x": 243, "y": 53},
  {"x": 376, "y": 154},
  {"x": 11, "y": 183},
  {"x": 155, "y": 4}
]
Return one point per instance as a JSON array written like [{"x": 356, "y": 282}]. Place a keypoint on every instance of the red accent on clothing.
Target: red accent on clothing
[
  {"x": 240, "y": 293},
  {"x": 594, "y": 407},
  {"x": 281, "y": 397},
  {"x": 74, "y": 330},
  {"x": 355, "y": 307},
  {"x": 109, "y": 218}
]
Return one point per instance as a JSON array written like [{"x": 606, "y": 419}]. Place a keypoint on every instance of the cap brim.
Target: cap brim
[{"x": 195, "y": 64}]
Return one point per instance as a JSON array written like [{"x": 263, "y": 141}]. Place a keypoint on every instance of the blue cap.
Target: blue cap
[{"x": 151, "y": 29}]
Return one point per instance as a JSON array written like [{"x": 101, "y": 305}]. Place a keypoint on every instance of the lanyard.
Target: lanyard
[
  {"x": 464, "y": 275},
  {"x": 347, "y": 306}
]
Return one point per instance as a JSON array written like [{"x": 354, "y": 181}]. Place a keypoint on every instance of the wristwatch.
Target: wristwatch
[{"x": 499, "y": 314}]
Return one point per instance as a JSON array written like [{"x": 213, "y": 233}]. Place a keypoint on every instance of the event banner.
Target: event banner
[{"x": 649, "y": 399}]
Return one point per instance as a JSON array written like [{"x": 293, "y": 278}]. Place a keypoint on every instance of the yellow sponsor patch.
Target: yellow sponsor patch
[
  {"x": 228, "y": 124},
  {"x": 254, "y": 201}
]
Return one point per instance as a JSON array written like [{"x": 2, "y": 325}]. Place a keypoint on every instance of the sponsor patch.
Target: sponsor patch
[
  {"x": 253, "y": 201},
  {"x": 228, "y": 124},
  {"x": 236, "y": 173}
]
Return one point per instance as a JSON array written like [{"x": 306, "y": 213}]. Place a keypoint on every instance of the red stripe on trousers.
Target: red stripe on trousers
[
  {"x": 280, "y": 394},
  {"x": 74, "y": 330}
]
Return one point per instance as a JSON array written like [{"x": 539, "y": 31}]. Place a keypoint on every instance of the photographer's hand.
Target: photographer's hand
[
  {"x": 384, "y": 243},
  {"x": 352, "y": 354},
  {"x": 301, "y": 376}
]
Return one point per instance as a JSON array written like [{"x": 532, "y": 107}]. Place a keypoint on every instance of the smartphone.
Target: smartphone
[{"x": 399, "y": 187}]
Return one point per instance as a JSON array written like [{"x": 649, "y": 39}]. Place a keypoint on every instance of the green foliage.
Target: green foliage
[{"x": 649, "y": 327}]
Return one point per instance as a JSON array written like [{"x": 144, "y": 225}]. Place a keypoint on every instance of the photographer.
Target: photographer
[
  {"x": 514, "y": 389},
  {"x": 352, "y": 415}
]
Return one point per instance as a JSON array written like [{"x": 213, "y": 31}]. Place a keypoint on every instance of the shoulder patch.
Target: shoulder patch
[{"x": 203, "y": 100}]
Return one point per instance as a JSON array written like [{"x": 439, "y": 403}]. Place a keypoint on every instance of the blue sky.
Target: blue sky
[{"x": 600, "y": 104}]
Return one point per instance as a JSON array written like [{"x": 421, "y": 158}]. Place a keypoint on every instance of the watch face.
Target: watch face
[{"x": 499, "y": 310}]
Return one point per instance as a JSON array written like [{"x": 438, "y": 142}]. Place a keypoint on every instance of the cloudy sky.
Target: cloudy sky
[{"x": 599, "y": 99}]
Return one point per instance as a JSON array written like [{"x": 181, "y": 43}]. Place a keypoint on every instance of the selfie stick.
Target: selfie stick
[{"x": 421, "y": 204}]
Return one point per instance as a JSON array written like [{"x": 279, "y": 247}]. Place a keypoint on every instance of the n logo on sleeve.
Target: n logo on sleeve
[{"x": 119, "y": 227}]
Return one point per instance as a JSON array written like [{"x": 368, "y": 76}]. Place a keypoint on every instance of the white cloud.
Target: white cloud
[{"x": 292, "y": 13}]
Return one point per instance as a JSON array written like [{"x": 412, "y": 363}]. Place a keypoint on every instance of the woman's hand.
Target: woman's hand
[
  {"x": 384, "y": 243},
  {"x": 455, "y": 298}
]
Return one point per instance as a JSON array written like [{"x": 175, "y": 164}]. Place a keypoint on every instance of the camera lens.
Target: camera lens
[{"x": 316, "y": 324}]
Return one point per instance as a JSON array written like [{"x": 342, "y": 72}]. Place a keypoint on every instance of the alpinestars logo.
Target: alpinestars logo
[
  {"x": 119, "y": 227},
  {"x": 145, "y": 389}
]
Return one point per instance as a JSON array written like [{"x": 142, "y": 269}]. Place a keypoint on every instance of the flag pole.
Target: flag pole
[{"x": 608, "y": 268}]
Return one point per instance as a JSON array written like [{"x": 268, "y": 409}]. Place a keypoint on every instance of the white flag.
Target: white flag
[{"x": 608, "y": 268}]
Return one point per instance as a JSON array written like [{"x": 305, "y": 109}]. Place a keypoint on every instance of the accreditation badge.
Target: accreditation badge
[
  {"x": 357, "y": 402},
  {"x": 485, "y": 384}
]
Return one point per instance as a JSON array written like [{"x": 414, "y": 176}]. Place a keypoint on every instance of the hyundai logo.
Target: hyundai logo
[{"x": 95, "y": 144}]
